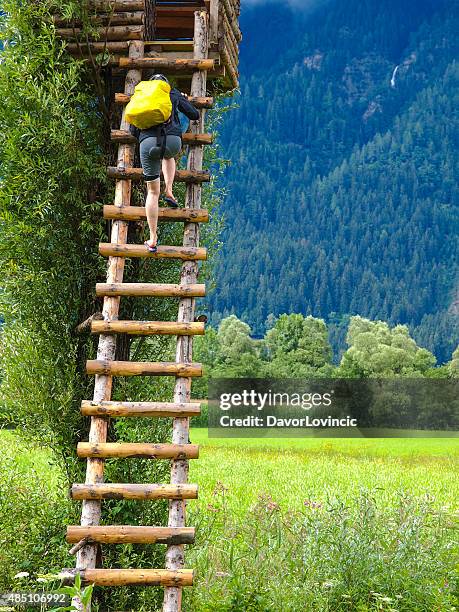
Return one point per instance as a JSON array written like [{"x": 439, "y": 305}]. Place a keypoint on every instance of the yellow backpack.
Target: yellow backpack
[{"x": 150, "y": 104}]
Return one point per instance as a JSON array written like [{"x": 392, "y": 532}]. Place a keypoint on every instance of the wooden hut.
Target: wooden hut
[{"x": 165, "y": 26}]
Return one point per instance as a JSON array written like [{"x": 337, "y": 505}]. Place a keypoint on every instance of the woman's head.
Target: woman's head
[{"x": 159, "y": 77}]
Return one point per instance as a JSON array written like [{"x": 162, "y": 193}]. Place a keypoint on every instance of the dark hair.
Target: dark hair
[{"x": 159, "y": 77}]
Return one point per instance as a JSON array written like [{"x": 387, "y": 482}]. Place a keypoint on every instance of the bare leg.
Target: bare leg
[
  {"x": 169, "y": 174},
  {"x": 151, "y": 208}
]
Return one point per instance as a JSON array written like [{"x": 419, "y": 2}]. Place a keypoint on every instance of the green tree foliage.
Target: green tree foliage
[
  {"x": 453, "y": 365},
  {"x": 237, "y": 355},
  {"x": 376, "y": 350},
  {"x": 51, "y": 168},
  {"x": 298, "y": 347}
]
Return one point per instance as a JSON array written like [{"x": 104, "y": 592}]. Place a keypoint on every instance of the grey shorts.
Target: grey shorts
[{"x": 150, "y": 155}]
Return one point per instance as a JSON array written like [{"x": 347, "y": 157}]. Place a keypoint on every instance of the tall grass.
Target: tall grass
[
  {"x": 342, "y": 525},
  {"x": 325, "y": 525},
  {"x": 325, "y": 556}
]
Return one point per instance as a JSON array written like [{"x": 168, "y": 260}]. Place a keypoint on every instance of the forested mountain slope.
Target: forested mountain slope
[{"x": 342, "y": 196}]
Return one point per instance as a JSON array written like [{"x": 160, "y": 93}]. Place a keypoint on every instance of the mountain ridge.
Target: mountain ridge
[{"x": 279, "y": 175}]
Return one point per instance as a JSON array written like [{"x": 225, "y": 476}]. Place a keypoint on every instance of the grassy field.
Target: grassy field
[
  {"x": 293, "y": 470},
  {"x": 292, "y": 525},
  {"x": 325, "y": 525}
]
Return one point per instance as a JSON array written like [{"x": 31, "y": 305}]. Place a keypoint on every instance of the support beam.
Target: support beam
[
  {"x": 127, "y": 534},
  {"x": 113, "y": 19},
  {"x": 213, "y": 22},
  {"x": 123, "y": 450},
  {"x": 139, "y": 409},
  {"x": 117, "y": 5},
  {"x": 127, "y": 32},
  {"x": 98, "y": 47},
  {"x": 175, "y": 557},
  {"x": 150, "y": 290},
  {"x": 91, "y": 509}
]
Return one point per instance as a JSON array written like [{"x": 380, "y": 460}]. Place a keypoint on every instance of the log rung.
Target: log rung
[
  {"x": 118, "y": 5},
  {"x": 147, "y": 328},
  {"x": 137, "y": 213},
  {"x": 159, "y": 63},
  {"x": 139, "y": 409},
  {"x": 123, "y": 450},
  {"x": 198, "y": 102},
  {"x": 103, "y": 19},
  {"x": 136, "y": 368},
  {"x": 197, "y": 139},
  {"x": 134, "y": 491},
  {"x": 125, "y": 137},
  {"x": 136, "y": 174},
  {"x": 140, "y": 577},
  {"x": 149, "y": 290},
  {"x": 108, "y": 249},
  {"x": 112, "y": 33},
  {"x": 127, "y": 534}
]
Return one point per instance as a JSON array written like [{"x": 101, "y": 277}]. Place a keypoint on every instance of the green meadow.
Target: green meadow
[
  {"x": 293, "y": 470},
  {"x": 325, "y": 525},
  {"x": 290, "y": 525}
]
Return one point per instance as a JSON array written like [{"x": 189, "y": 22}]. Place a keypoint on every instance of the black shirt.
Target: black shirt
[{"x": 179, "y": 103}]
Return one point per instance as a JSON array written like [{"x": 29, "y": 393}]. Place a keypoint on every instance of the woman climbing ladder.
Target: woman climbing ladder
[{"x": 159, "y": 145}]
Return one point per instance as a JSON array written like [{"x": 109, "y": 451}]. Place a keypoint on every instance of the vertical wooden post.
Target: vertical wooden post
[
  {"x": 189, "y": 275},
  {"x": 213, "y": 22},
  {"x": 91, "y": 509},
  {"x": 149, "y": 20}
]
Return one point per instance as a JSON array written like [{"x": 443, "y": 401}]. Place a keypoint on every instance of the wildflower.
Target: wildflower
[
  {"x": 272, "y": 506},
  {"x": 328, "y": 584},
  {"x": 312, "y": 504},
  {"x": 22, "y": 575},
  {"x": 220, "y": 488}
]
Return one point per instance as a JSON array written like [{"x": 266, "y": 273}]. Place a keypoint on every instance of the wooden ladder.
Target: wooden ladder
[{"x": 89, "y": 535}]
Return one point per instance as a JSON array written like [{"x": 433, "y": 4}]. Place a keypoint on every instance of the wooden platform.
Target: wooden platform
[{"x": 166, "y": 29}]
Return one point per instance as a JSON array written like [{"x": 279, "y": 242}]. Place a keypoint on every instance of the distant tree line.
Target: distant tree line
[
  {"x": 388, "y": 379},
  {"x": 297, "y": 346}
]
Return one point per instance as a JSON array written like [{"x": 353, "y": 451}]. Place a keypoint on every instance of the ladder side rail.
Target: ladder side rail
[
  {"x": 91, "y": 509},
  {"x": 189, "y": 274}
]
